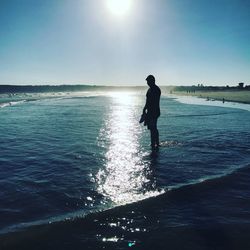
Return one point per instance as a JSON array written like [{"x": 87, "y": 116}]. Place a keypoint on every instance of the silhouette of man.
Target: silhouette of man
[{"x": 151, "y": 110}]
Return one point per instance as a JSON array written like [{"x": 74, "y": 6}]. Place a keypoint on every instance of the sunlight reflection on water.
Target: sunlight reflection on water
[{"x": 125, "y": 177}]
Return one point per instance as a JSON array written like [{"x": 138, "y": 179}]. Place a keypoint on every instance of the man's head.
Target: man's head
[{"x": 150, "y": 80}]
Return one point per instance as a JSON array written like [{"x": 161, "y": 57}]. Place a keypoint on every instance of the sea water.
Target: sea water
[{"x": 77, "y": 172}]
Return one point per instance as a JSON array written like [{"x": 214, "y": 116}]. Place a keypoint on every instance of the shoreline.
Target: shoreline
[{"x": 238, "y": 96}]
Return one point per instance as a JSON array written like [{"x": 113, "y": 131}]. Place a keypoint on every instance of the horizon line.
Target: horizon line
[{"x": 112, "y": 85}]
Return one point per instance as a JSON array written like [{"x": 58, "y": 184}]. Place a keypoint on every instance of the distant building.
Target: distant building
[{"x": 241, "y": 85}]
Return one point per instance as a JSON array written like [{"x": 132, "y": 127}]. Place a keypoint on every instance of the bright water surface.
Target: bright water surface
[{"x": 63, "y": 158}]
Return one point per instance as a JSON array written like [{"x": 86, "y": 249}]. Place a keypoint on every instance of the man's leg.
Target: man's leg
[
  {"x": 152, "y": 138},
  {"x": 154, "y": 134},
  {"x": 157, "y": 138}
]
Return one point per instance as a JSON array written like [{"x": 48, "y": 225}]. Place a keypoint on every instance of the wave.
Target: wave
[
  {"x": 28, "y": 97},
  {"x": 11, "y": 103},
  {"x": 193, "y": 190},
  {"x": 201, "y": 115}
]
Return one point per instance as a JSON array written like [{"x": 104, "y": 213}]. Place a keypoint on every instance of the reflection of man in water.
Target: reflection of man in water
[{"x": 152, "y": 110}]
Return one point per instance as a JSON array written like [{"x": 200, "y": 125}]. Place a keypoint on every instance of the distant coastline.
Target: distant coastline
[
  {"x": 224, "y": 96},
  {"x": 12, "y": 89},
  {"x": 238, "y": 94}
]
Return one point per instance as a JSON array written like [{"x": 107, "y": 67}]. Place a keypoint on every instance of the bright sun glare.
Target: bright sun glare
[{"x": 119, "y": 7}]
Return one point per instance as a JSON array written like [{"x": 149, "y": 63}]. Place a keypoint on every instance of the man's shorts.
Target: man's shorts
[{"x": 152, "y": 123}]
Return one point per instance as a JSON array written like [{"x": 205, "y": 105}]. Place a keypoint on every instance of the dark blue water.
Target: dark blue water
[{"x": 77, "y": 172}]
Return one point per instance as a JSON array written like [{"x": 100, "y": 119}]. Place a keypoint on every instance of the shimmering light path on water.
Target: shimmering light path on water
[{"x": 125, "y": 177}]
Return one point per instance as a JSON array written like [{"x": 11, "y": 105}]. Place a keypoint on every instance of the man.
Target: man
[{"x": 151, "y": 110}]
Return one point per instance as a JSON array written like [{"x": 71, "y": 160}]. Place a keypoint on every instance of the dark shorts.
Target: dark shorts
[{"x": 152, "y": 123}]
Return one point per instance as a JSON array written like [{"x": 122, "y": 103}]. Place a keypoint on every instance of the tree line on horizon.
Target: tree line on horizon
[{"x": 11, "y": 89}]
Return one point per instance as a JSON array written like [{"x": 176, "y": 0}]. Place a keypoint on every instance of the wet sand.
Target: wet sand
[{"x": 241, "y": 96}]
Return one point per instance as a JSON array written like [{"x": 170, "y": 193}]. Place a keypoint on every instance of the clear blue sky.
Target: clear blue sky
[{"x": 82, "y": 41}]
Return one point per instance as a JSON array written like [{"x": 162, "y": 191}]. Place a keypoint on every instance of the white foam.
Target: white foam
[
  {"x": 6, "y": 104},
  {"x": 2, "y": 105}
]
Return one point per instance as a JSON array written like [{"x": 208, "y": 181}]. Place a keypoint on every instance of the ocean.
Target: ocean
[{"x": 77, "y": 172}]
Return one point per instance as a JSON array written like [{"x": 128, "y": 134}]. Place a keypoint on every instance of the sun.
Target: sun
[{"x": 119, "y": 7}]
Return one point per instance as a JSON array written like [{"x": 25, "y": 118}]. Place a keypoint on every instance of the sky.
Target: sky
[{"x": 180, "y": 42}]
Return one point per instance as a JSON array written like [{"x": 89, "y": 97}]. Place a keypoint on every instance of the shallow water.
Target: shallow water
[{"x": 64, "y": 160}]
